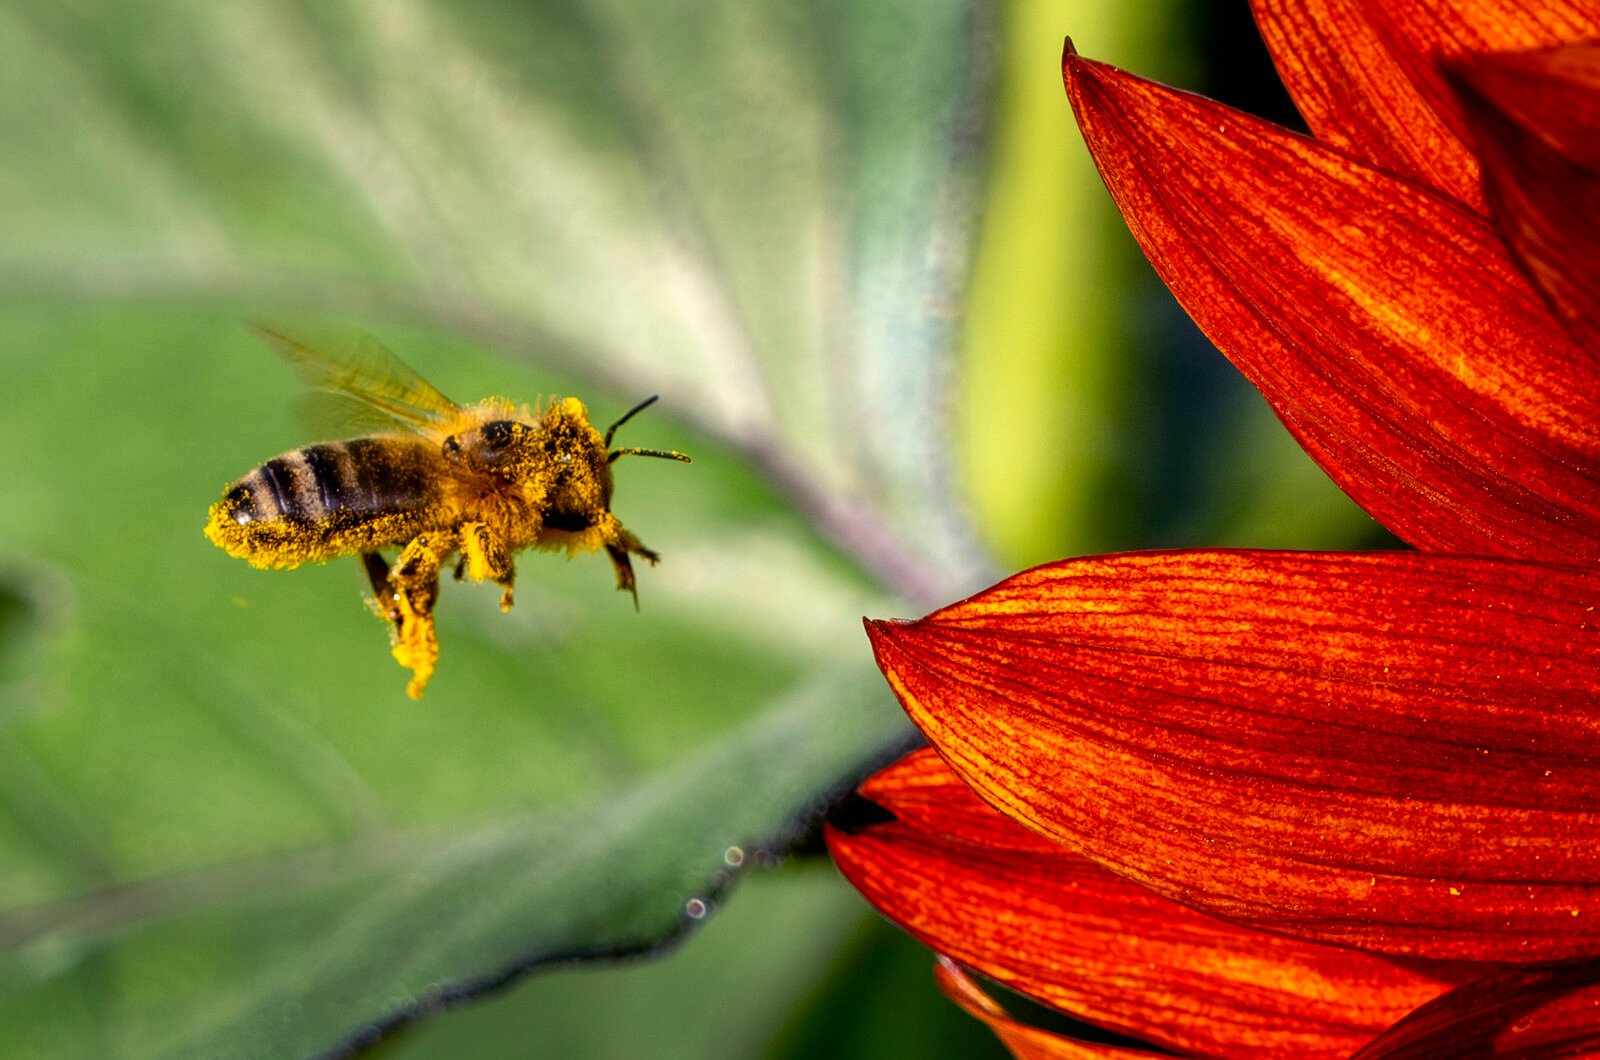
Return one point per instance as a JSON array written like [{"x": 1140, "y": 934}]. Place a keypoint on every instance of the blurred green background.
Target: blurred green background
[{"x": 858, "y": 250}]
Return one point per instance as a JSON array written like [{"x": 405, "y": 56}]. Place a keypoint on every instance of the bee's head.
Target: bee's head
[{"x": 495, "y": 446}]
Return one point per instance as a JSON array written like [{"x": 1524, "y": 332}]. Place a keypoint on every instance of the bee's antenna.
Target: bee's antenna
[
  {"x": 630, "y": 414},
  {"x": 667, "y": 454},
  {"x": 611, "y": 431}
]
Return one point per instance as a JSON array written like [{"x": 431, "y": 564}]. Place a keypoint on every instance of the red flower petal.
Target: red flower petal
[
  {"x": 1025, "y": 1043},
  {"x": 1366, "y": 74},
  {"x": 1394, "y": 751},
  {"x": 1544, "y": 1012},
  {"x": 976, "y": 886},
  {"x": 1537, "y": 119},
  {"x": 1391, "y": 331}
]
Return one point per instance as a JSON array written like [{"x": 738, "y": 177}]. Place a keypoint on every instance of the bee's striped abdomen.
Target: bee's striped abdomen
[
  {"x": 329, "y": 499},
  {"x": 356, "y": 478},
  {"x": 267, "y": 493}
]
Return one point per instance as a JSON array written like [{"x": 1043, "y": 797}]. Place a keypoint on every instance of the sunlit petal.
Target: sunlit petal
[
  {"x": 1395, "y": 751},
  {"x": 1366, "y": 74},
  {"x": 1537, "y": 119},
  {"x": 976, "y": 886},
  {"x": 1390, "y": 329},
  {"x": 1025, "y": 1043}
]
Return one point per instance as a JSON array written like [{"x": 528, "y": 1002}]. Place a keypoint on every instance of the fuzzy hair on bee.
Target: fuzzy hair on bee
[{"x": 439, "y": 482}]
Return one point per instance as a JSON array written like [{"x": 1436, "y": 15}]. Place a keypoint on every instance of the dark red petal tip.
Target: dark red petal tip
[
  {"x": 1536, "y": 119},
  {"x": 1367, "y": 76},
  {"x": 1515, "y": 1013}
]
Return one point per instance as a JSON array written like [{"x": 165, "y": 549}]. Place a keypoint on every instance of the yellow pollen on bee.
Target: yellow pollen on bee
[{"x": 437, "y": 479}]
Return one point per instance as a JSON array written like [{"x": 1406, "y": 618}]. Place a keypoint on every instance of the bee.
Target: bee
[{"x": 435, "y": 480}]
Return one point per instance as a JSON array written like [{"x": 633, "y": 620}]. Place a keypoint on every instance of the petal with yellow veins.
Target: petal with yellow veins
[
  {"x": 1390, "y": 329},
  {"x": 1054, "y": 926},
  {"x": 1393, "y": 751},
  {"x": 1366, "y": 74}
]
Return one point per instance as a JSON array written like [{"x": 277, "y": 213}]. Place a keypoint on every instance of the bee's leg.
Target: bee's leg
[
  {"x": 414, "y": 583},
  {"x": 619, "y": 543},
  {"x": 625, "y": 581},
  {"x": 487, "y": 558},
  {"x": 382, "y": 595}
]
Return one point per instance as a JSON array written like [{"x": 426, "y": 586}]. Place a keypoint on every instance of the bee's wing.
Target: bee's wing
[
  {"x": 358, "y": 384},
  {"x": 325, "y": 414}
]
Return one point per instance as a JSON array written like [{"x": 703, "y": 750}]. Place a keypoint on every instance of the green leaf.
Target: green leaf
[
  {"x": 225, "y": 831},
  {"x": 727, "y": 993}
]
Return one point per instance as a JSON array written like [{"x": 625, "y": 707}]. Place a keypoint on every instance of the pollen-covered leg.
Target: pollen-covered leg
[
  {"x": 619, "y": 544},
  {"x": 414, "y": 581},
  {"x": 487, "y": 559},
  {"x": 383, "y": 598}
]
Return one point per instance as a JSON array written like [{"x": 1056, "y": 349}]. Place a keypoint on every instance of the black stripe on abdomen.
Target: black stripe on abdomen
[
  {"x": 369, "y": 474},
  {"x": 284, "y": 487},
  {"x": 366, "y": 477},
  {"x": 330, "y": 470},
  {"x": 390, "y": 475},
  {"x": 279, "y": 482},
  {"x": 259, "y": 497}
]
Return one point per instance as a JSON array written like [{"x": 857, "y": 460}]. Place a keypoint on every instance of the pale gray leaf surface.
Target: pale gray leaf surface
[{"x": 223, "y": 829}]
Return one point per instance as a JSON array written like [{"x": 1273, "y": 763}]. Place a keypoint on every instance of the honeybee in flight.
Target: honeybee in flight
[{"x": 435, "y": 479}]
